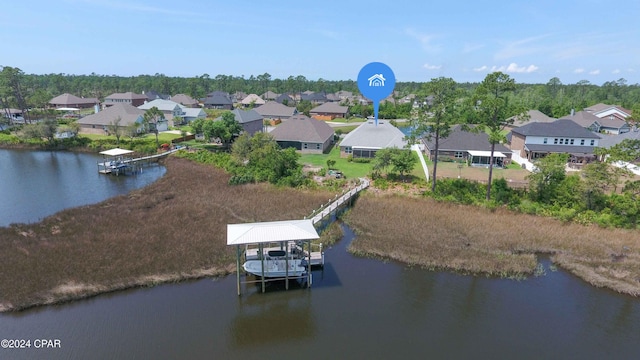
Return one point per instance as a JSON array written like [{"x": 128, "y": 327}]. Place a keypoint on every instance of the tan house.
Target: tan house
[
  {"x": 71, "y": 101},
  {"x": 329, "y": 111},
  {"x": 125, "y": 98},
  {"x": 99, "y": 123}
]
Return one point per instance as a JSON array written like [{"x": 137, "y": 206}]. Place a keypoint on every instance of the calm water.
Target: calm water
[
  {"x": 357, "y": 308},
  {"x": 36, "y": 184}
]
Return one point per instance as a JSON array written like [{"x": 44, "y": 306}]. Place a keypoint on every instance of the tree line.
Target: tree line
[{"x": 555, "y": 99}]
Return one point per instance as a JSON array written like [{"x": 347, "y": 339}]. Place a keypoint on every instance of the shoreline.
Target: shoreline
[{"x": 170, "y": 236}]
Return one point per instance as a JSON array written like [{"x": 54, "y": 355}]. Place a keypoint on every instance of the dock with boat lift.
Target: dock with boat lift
[{"x": 118, "y": 161}]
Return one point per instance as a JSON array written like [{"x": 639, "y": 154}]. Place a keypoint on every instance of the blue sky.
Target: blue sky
[{"x": 533, "y": 41}]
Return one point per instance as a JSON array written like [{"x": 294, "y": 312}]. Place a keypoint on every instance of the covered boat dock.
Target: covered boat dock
[{"x": 280, "y": 232}]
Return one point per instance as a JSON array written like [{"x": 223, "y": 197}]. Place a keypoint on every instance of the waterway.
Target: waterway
[
  {"x": 36, "y": 184},
  {"x": 357, "y": 308}
]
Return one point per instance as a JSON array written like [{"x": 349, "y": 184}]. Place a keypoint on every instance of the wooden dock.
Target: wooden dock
[
  {"x": 117, "y": 164},
  {"x": 340, "y": 200}
]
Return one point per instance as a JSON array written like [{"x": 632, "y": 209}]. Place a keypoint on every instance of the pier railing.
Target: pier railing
[{"x": 340, "y": 199}]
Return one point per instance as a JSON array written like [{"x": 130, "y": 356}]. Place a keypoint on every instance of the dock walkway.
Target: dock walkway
[{"x": 335, "y": 204}]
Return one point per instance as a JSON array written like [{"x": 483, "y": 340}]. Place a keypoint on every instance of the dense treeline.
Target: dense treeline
[{"x": 554, "y": 98}]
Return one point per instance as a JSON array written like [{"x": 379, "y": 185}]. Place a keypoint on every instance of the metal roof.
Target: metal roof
[
  {"x": 116, "y": 152},
  {"x": 265, "y": 232},
  {"x": 486, "y": 153}
]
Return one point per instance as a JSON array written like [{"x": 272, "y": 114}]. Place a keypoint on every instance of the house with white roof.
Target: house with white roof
[{"x": 366, "y": 139}]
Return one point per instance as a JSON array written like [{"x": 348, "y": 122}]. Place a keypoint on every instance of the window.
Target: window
[
  {"x": 555, "y": 141},
  {"x": 561, "y": 141},
  {"x": 581, "y": 141},
  {"x": 305, "y": 145},
  {"x": 571, "y": 142},
  {"x": 593, "y": 142},
  {"x": 317, "y": 146},
  {"x": 347, "y": 150},
  {"x": 544, "y": 141},
  {"x": 458, "y": 154}
]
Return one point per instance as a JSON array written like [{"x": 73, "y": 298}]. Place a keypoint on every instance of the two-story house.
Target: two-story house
[{"x": 537, "y": 140}]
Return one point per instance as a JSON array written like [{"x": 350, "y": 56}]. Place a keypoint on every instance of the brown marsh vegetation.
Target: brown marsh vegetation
[
  {"x": 438, "y": 235},
  {"x": 173, "y": 229}
]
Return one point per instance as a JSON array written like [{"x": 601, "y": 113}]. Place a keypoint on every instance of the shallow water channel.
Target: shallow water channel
[{"x": 356, "y": 308}]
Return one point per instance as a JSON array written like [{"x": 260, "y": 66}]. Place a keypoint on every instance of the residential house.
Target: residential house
[
  {"x": 190, "y": 114},
  {"x": 251, "y": 121},
  {"x": 344, "y": 95},
  {"x": 71, "y": 101},
  {"x": 329, "y": 111},
  {"x": 470, "y": 147},
  {"x": 285, "y": 99},
  {"x": 130, "y": 98},
  {"x": 609, "y": 124},
  {"x": 603, "y": 110},
  {"x": 269, "y": 95},
  {"x": 366, "y": 139},
  {"x": 305, "y": 134},
  {"x": 537, "y": 140},
  {"x": 99, "y": 123},
  {"x": 218, "y": 100},
  {"x": 13, "y": 115},
  {"x": 275, "y": 111},
  {"x": 154, "y": 95},
  {"x": 172, "y": 110},
  {"x": 185, "y": 100},
  {"x": 252, "y": 100},
  {"x": 532, "y": 117},
  {"x": 314, "y": 97},
  {"x": 607, "y": 141}
]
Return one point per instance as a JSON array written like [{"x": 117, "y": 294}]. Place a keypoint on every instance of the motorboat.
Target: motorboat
[{"x": 277, "y": 264}]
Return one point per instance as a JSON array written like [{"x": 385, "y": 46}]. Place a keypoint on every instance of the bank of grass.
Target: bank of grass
[
  {"x": 171, "y": 230},
  {"x": 468, "y": 239}
]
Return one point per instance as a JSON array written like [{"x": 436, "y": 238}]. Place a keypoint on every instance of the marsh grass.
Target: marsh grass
[
  {"x": 497, "y": 242},
  {"x": 172, "y": 230}
]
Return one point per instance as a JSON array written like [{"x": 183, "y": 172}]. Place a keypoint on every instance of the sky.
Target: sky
[{"x": 532, "y": 41}]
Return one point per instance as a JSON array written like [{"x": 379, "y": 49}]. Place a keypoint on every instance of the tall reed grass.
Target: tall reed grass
[
  {"x": 173, "y": 229},
  {"x": 470, "y": 239}
]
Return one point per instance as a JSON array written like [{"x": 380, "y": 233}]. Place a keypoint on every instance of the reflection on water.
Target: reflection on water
[
  {"x": 36, "y": 184},
  {"x": 356, "y": 308}
]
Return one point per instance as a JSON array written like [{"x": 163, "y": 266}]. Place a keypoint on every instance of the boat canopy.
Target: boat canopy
[
  {"x": 274, "y": 231},
  {"x": 116, "y": 152}
]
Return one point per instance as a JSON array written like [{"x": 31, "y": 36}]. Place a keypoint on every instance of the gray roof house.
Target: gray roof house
[
  {"x": 533, "y": 116},
  {"x": 608, "y": 124},
  {"x": 305, "y": 134},
  {"x": 536, "y": 140},
  {"x": 368, "y": 138},
  {"x": 285, "y": 99},
  {"x": 218, "y": 100},
  {"x": 469, "y": 147},
  {"x": 274, "y": 110},
  {"x": 171, "y": 110},
  {"x": 72, "y": 101},
  {"x": 251, "y": 121},
  {"x": 329, "y": 111},
  {"x": 126, "y": 98},
  {"x": 184, "y": 100},
  {"x": 98, "y": 123}
]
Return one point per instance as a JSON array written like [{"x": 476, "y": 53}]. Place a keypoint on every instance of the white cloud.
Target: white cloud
[
  {"x": 481, "y": 68},
  {"x": 514, "y": 68},
  {"x": 424, "y": 39},
  {"x": 432, "y": 67},
  {"x": 594, "y": 72},
  {"x": 616, "y": 71},
  {"x": 578, "y": 71}
]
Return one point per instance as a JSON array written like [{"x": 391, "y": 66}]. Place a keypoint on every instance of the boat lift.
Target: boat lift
[{"x": 261, "y": 233}]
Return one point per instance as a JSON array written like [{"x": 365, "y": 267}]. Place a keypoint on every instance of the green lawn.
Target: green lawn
[{"x": 349, "y": 169}]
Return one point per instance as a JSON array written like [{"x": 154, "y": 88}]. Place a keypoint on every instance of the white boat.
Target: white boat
[{"x": 276, "y": 268}]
